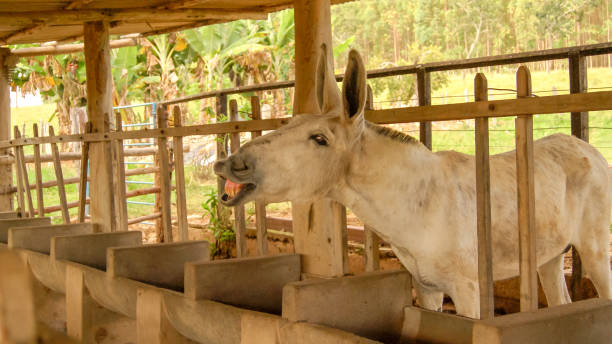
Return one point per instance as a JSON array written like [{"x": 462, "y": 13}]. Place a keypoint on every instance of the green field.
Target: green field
[{"x": 446, "y": 136}]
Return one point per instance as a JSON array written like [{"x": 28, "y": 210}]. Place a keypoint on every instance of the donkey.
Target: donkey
[{"x": 424, "y": 203}]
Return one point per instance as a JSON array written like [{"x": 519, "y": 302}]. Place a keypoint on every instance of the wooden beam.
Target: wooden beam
[
  {"x": 99, "y": 110},
  {"x": 164, "y": 178},
  {"x": 260, "y": 206},
  {"x": 580, "y": 129},
  {"x": 319, "y": 227},
  {"x": 77, "y": 4},
  {"x": 424, "y": 93},
  {"x": 83, "y": 175},
  {"x": 23, "y": 33},
  {"x": 59, "y": 176},
  {"x": 239, "y": 217},
  {"x": 371, "y": 240},
  {"x": 131, "y": 15},
  {"x": 483, "y": 204},
  {"x": 179, "y": 179},
  {"x": 6, "y": 171},
  {"x": 40, "y": 201},
  {"x": 526, "y": 198},
  {"x": 68, "y": 48},
  {"x": 24, "y": 176},
  {"x": 18, "y": 174},
  {"x": 119, "y": 162}
]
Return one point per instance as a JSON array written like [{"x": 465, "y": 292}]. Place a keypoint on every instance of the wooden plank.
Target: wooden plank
[
  {"x": 144, "y": 218},
  {"x": 483, "y": 204},
  {"x": 239, "y": 216},
  {"x": 179, "y": 179},
  {"x": 24, "y": 177},
  {"x": 59, "y": 176},
  {"x": 18, "y": 172},
  {"x": 591, "y": 101},
  {"x": 164, "y": 178},
  {"x": 120, "y": 185},
  {"x": 260, "y": 207},
  {"x": 40, "y": 202},
  {"x": 580, "y": 129},
  {"x": 99, "y": 110},
  {"x": 370, "y": 239},
  {"x": 526, "y": 199},
  {"x": 530, "y": 56},
  {"x": 424, "y": 93},
  {"x": 83, "y": 175}
]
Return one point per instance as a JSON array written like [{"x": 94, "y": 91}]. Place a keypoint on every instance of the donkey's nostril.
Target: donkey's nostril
[{"x": 238, "y": 165}]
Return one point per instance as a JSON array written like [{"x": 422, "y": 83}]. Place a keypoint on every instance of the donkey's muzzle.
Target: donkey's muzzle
[{"x": 234, "y": 168}]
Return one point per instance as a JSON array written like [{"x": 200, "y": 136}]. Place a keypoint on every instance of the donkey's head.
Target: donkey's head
[{"x": 309, "y": 156}]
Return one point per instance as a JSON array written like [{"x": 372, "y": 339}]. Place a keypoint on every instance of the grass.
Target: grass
[{"x": 446, "y": 135}]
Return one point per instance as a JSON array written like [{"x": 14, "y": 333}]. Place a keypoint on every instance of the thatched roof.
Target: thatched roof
[{"x": 35, "y": 21}]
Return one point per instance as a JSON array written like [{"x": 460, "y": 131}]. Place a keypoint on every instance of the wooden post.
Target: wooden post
[
  {"x": 24, "y": 175},
  {"x": 260, "y": 207},
  {"x": 59, "y": 175},
  {"x": 221, "y": 104},
  {"x": 239, "y": 218},
  {"x": 424, "y": 93},
  {"x": 6, "y": 171},
  {"x": 371, "y": 240},
  {"x": 83, "y": 175},
  {"x": 19, "y": 177},
  {"x": 40, "y": 203},
  {"x": 165, "y": 174},
  {"x": 526, "y": 198},
  {"x": 179, "y": 179},
  {"x": 99, "y": 110},
  {"x": 580, "y": 129},
  {"x": 483, "y": 204},
  {"x": 79, "y": 306},
  {"x": 119, "y": 162},
  {"x": 319, "y": 228}
]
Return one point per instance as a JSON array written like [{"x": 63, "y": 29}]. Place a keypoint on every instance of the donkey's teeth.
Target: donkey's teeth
[{"x": 232, "y": 189}]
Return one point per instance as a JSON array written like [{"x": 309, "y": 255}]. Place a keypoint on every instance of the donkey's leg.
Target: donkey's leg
[
  {"x": 553, "y": 282},
  {"x": 466, "y": 298},
  {"x": 595, "y": 255},
  {"x": 428, "y": 299}
]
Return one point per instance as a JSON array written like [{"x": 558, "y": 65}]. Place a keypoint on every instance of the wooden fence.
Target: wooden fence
[{"x": 577, "y": 103}]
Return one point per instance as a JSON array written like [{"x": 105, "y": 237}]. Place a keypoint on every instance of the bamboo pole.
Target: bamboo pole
[
  {"x": 119, "y": 162},
  {"x": 38, "y": 171},
  {"x": 526, "y": 198},
  {"x": 179, "y": 180},
  {"x": 83, "y": 175},
  {"x": 483, "y": 205},
  {"x": 24, "y": 177},
  {"x": 260, "y": 206},
  {"x": 60, "y": 178},
  {"x": 371, "y": 240},
  {"x": 239, "y": 217}
]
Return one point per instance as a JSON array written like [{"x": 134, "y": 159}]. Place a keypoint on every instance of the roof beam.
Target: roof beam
[
  {"x": 172, "y": 5},
  {"x": 133, "y": 15},
  {"x": 68, "y": 48}
]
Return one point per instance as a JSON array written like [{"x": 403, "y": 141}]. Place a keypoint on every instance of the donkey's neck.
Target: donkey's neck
[{"x": 390, "y": 177}]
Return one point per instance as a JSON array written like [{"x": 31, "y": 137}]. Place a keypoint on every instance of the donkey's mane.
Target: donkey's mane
[{"x": 391, "y": 133}]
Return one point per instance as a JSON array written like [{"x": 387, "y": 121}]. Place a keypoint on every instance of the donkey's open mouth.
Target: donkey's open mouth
[{"x": 235, "y": 192}]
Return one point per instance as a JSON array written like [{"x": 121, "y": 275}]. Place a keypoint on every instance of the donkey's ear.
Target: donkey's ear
[
  {"x": 354, "y": 89},
  {"x": 327, "y": 90}
]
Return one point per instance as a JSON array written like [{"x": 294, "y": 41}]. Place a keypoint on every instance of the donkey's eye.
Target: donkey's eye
[{"x": 319, "y": 139}]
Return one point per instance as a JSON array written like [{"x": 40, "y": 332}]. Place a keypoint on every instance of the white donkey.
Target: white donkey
[{"x": 424, "y": 203}]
